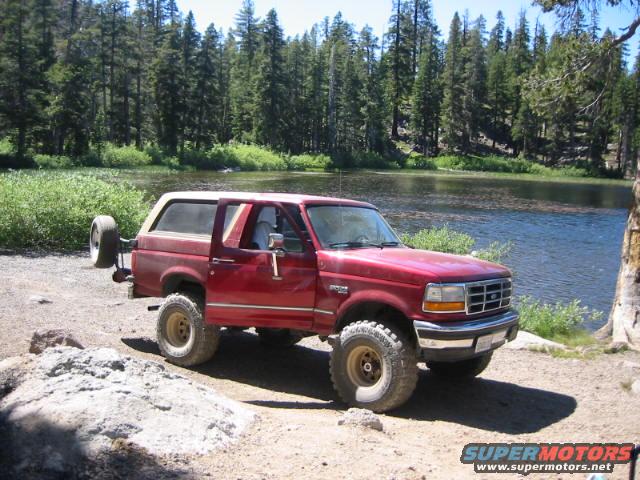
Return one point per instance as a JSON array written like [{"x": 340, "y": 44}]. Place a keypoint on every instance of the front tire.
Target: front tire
[
  {"x": 183, "y": 337},
  {"x": 373, "y": 365},
  {"x": 469, "y": 368}
]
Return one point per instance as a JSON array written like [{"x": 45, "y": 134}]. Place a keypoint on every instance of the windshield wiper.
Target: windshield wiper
[
  {"x": 353, "y": 245},
  {"x": 363, "y": 244},
  {"x": 389, "y": 244}
]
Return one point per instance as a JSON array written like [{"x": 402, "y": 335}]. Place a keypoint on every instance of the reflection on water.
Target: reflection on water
[{"x": 566, "y": 236}]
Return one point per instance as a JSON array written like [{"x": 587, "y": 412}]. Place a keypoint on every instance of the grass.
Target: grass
[
  {"x": 560, "y": 322},
  {"x": 446, "y": 240},
  {"x": 54, "y": 210}
]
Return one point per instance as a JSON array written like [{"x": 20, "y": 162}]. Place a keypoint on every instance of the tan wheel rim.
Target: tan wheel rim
[
  {"x": 364, "y": 366},
  {"x": 178, "y": 329}
]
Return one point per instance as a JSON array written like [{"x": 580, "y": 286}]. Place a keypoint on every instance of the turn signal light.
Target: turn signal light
[{"x": 443, "y": 306}]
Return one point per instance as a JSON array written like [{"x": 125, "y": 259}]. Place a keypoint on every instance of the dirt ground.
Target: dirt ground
[{"x": 522, "y": 397}]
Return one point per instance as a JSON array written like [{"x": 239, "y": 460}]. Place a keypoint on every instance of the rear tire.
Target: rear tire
[
  {"x": 183, "y": 337},
  {"x": 469, "y": 368},
  {"x": 278, "y": 337},
  {"x": 103, "y": 241},
  {"x": 373, "y": 365}
]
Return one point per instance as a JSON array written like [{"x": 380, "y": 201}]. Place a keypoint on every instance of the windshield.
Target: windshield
[{"x": 351, "y": 227}]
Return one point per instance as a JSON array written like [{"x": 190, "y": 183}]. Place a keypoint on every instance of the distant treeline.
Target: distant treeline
[{"x": 77, "y": 75}]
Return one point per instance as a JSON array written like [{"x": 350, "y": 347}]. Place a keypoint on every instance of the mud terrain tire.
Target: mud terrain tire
[
  {"x": 373, "y": 365},
  {"x": 183, "y": 337},
  {"x": 103, "y": 241}
]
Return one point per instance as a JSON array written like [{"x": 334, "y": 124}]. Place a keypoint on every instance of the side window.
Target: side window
[
  {"x": 191, "y": 218},
  {"x": 272, "y": 220},
  {"x": 234, "y": 221}
]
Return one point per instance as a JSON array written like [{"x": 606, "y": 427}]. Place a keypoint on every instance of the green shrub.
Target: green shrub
[
  {"x": 494, "y": 163},
  {"x": 308, "y": 162},
  {"x": 557, "y": 322},
  {"x": 444, "y": 239},
  {"x": 420, "y": 162},
  {"x": 52, "y": 161},
  {"x": 6, "y": 146},
  {"x": 246, "y": 157},
  {"x": 124, "y": 157},
  {"x": 54, "y": 210}
]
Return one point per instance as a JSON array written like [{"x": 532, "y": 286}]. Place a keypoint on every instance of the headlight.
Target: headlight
[{"x": 444, "y": 298}]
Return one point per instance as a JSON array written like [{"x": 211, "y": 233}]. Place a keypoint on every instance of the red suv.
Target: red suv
[{"x": 297, "y": 265}]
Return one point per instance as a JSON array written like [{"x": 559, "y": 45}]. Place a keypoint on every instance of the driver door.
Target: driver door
[{"x": 243, "y": 287}]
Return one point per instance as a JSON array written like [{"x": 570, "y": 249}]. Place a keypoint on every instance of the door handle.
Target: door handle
[{"x": 222, "y": 260}]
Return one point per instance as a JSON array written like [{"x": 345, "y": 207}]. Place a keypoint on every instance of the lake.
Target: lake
[{"x": 566, "y": 235}]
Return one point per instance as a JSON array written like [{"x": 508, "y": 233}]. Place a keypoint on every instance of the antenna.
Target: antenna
[{"x": 340, "y": 182}]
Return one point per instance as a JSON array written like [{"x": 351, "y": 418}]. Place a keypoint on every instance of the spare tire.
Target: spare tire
[{"x": 103, "y": 241}]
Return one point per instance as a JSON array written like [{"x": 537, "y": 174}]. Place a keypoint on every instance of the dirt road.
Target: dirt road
[{"x": 522, "y": 396}]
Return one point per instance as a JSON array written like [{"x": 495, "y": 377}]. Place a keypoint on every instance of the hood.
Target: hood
[{"x": 407, "y": 265}]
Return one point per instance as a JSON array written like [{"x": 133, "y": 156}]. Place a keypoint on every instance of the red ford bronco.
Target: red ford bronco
[{"x": 297, "y": 265}]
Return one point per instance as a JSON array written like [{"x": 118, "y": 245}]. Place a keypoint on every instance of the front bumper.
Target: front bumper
[{"x": 453, "y": 341}]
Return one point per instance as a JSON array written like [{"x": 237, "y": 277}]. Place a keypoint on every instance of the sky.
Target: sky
[{"x": 296, "y": 16}]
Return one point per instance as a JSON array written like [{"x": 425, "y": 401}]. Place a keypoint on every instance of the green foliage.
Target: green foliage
[
  {"x": 52, "y": 161},
  {"x": 6, "y": 146},
  {"x": 246, "y": 157},
  {"x": 308, "y": 162},
  {"x": 420, "y": 162},
  {"x": 442, "y": 239},
  {"x": 504, "y": 165},
  {"x": 124, "y": 157},
  {"x": 54, "y": 210},
  {"x": 446, "y": 240},
  {"x": 559, "y": 322}
]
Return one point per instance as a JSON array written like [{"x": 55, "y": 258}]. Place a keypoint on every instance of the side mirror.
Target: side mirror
[{"x": 276, "y": 241}]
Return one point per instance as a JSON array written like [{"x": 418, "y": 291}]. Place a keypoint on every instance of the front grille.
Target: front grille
[{"x": 488, "y": 295}]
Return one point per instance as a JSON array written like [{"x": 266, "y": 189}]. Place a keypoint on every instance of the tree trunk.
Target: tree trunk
[{"x": 624, "y": 321}]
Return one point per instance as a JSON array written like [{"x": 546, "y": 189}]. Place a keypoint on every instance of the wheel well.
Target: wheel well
[
  {"x": 377, "y": 311},
  {"x": 179, "y": 283}
]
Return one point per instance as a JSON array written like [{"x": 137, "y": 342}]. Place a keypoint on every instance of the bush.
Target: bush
[
  {"x": 559, "y": 322},
  {"x": 246, "y": 157},
  {"x": 444, "y": 239},
  {"x": 124, "y": 157},
  {"x": 308, "y": 162},
  {"x": 6, "y": 147},
  {"x": 420, "y": 162},
  {"x": 505, "y": 165},
  {"x": 52, "y": 161},
  {"x": 54, "y": 210}
]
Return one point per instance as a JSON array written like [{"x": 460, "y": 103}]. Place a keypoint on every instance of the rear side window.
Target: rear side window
[{"x": 189, "y": 218}]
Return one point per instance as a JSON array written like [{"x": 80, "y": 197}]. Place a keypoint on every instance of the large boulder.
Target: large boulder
[
  {"x": 72, "y": 404},
  {"x": 529, "y": 341},
  {"x": 43, "y": 339}
]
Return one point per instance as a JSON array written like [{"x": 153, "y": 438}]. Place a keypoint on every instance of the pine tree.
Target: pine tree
[
  {"x": 168, "y": 88},
  {"x": 190, "y": 46},
  {"x": 474, "y": 84},
  {"x": 206, "y": 104},
  {"x": 270, "y": 91},
  {"x": 427, "y": 96},
  {"x": 452, "y": 119},
  {"x": 20, "y": 77}
]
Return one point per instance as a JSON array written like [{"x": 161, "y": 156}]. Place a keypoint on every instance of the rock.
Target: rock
[
  {"x": 362, "y": 418},
  {"x": 38, "y": 300},
  {"x": 635, "y": 387},
  {"x": 43, "y": 339},
  {"x": 529, "y": 341},
  {"x": 630, "y": 365},
  {"x": 88, "y": 399}
]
